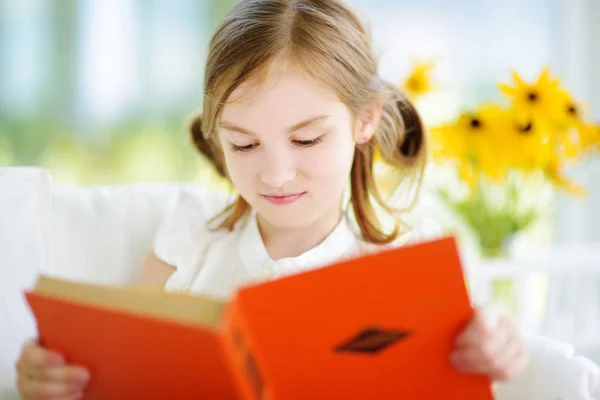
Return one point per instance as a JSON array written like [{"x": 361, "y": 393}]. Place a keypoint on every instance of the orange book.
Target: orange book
[{"x": 380, "y": 326}]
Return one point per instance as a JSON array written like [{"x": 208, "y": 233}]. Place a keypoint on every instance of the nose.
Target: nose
[{"x": 278, "y": 169}]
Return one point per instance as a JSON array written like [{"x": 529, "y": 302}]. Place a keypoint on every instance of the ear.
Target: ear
[{"x": 366, "y": 122}]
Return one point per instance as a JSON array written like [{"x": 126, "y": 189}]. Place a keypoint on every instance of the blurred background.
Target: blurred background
[{"x": 100, "y": 92}]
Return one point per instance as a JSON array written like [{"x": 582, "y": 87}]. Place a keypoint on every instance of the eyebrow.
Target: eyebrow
[{"x": 296, "y": 127}]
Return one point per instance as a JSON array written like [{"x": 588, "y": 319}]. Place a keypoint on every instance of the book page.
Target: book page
[{"x": 179, "y": 307}]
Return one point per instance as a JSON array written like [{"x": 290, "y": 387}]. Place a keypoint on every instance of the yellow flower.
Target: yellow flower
[
  {"x": 419, "y": 81},
  {"x": 571, "y": 113},
  {"x": 467, "y": 173},
  {"x": 488, "y": 146},
  {"x": 542, "y": 99},
  {"x": 590, "y": 137},
  {"x": 542, "y": 128},
  {"x": 553, "y": 172},
  {"x": 447, "y": 143},
  {"x": 529, "y": 140},
  {"x": 571, "y": 135},
  {"x": 574, "y": 142},
  {"x": 474, "y": 140}
]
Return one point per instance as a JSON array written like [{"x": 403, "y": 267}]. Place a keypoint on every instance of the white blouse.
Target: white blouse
[{"x": 216, "y": 263}]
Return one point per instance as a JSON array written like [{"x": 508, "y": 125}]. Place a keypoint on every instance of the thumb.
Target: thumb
[{"x": 489, "y": 317}]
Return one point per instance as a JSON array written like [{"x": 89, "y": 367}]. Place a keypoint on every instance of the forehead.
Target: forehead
[{"x": 279, "y": 100}]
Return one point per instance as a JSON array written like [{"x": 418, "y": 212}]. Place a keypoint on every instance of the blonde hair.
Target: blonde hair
[{"x": 324, "y": 40}]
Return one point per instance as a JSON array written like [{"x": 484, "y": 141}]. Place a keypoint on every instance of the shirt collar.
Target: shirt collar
[{"x": 259, "y": 264}]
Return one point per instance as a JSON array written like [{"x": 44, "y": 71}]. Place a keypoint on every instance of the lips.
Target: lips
[{"x": 282, "y": 199}]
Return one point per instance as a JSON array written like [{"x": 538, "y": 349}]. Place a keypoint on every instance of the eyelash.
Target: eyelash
[
  {"x": 309, "y": 143},
  {"x": 299, "y": 143}
]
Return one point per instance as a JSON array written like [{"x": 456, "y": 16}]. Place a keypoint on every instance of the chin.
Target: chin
[{"x": 286, "y": 219}]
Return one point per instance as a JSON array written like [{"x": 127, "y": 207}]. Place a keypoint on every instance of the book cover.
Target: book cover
[{"x": 378, "y": 326}]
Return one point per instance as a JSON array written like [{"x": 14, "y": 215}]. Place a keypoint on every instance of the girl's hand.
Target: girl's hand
[
  {"x": 490, "y": 345},
  {"x": 42, "y": 374}
]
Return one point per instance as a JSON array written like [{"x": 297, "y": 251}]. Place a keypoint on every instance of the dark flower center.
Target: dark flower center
[
  {"x": 533, "y": 97},
  {"x": 525, "y": 129}
]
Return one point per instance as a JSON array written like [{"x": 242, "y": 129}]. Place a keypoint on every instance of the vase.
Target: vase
[
  {"x": 520, "y": 293},
  {"x": 503, "y": 291}
]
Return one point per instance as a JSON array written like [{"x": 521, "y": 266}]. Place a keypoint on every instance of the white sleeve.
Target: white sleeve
[
  {"x": 184, "y": 235},
  {"x": 554, "y": 372}
]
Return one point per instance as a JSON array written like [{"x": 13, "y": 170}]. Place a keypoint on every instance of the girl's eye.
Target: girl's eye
[
  {"x": 308, "y": 143},
  {"x": 300, "y": 143},
  {"x": 243, "y": 149}
]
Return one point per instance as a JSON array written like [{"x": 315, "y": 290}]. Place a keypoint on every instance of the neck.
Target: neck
[{"x": 291, "y": 242}]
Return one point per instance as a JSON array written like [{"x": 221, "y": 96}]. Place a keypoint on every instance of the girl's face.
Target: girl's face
[{"x": 289, "y": 145}]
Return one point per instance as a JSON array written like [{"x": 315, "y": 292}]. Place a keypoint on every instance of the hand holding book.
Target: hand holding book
[{"x": 45, "y": 374}]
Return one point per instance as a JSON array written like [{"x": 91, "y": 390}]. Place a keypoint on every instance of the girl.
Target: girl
[{"x": 293, "y": 113}]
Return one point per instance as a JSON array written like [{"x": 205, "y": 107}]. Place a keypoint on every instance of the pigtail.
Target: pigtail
[
  {"x": 400, "y": 138},
  {"x": 400, "y": 142}
]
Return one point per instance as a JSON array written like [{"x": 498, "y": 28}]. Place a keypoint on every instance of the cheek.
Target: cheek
[
  {"x": 241, "y": 169},
  {"x": 331, "y": 164}
]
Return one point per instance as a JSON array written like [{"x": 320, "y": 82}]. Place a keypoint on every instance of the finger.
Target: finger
[
  {"x": 507, "y": 355},
  {"x": 70, "y": 374},
  {"x": 482, "y": 356},
  {"x": 483, "y": 325},
  {"x": 34, "y": 360},
  {"x": 513, "y": 364},
  {"x": 41, "y": 390},
  {"x": 495, "y": 344},
  {"x": 469, "y": 361},
  {"x": 518, "y": 368},
  {"x": 73, "y": 395},
  {"x": 34, "y": 357}
]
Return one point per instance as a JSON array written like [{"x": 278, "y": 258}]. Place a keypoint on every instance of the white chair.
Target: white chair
[{"x": 101, "y": 234}]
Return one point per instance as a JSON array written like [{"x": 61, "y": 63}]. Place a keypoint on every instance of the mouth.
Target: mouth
[{"x": 282, "y": 199}]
